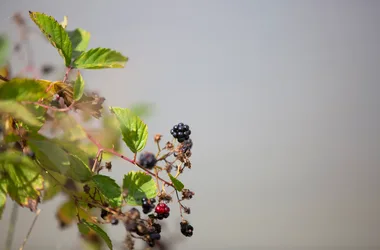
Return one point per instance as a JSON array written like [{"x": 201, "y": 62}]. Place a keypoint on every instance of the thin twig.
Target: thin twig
[
  {"x": 11, "y": 228},
  {"x": 97, "y": 160},
  {"x": 30, "y": 229}
]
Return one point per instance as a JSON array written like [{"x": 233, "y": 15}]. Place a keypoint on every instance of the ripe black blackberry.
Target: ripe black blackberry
[
  {"x": 186, "y": 229},
  {"x": 181, "y": 132},
  {"x": 157, "y": 227},
  {"x": 148, "y": 205},
  {"x": 147, "y": 160}
]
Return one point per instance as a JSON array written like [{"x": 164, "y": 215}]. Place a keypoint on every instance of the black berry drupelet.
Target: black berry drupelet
[
  {"x": 147, "y": 205},
  {"x": 147, "y": 160},
  {"x": 186, "y": 229},
  {"x": 181, "y": 132}
]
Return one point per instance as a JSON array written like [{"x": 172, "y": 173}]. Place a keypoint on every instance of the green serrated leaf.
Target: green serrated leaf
[
  {"x": 79, "y": 170},
  {"x": 19, "y": 112},
  {"x": 85, "y": 227},
  {"x": 78, "y": 87},
  {"x": 55, "y": 33},
  {"x": 22, "y": 179},
  {"x": 19, "y": 89},
  {"x": 138, "y": 186},
  {"x": 79, "y": 40},
  {"x": 133, "y": 129},
  {"x": 4, "y": 50},
  {"x": 177, "y": 184},
  {"x": 3, "y": 199},
  {"x": 100, "y": 58},
  {"x": 108, "y": 187}
]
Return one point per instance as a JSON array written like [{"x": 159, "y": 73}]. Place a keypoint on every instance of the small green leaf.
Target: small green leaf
[
  {"x": 55, "y": 33},
  {"x": 78, "y": 87},
  {"x": 22, "y": 179},
  {"x": 133, "y": 129},
  {"x": 19, "y": 112},
  {"x": 4, "y": 50},
  {"x": 100, "y": 58},
  {"x": 177, "y": 184},
  {"x": 84, "y": 227},
  {"x": 79, "y": 170},
  {"x": 138, "y": 186},
  {"x": 3, "y": 198},
  {"x": 108, "y": 187},
  {"x": 19, "y": 89},
  {"x": 79, "y": 40}
]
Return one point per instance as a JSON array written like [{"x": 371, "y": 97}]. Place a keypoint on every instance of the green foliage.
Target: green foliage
[
  {"x": 79, "y": 40},
  {"x": 85, "y": 227},
  {"x": 51, "y": 186},
  {"x": 100, "y": 58},
  {"x": 19, "y": 112},
  {"x": 4, "y": 50},
  {"x": 133, "y": 129},
  {"x": 79, "y": 170},
  {"x": 21, "y": 179},
  {"x": 108, "y": 187},
  {"x": 23, "y": 90},
  {"x": 3, "y": 198},
  {"x": 55, "y": 33},
  {"x": 78, "y": 87},
  {"x": 49, "y": 155},
  {"x": 138, "y": 185},
  {"x": 45, "y": 150},
  {"x": 177, "y": 184},
  {"x": 52, "y": 156}
]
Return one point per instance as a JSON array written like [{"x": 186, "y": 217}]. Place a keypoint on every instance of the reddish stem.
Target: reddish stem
[
  {"x": 112, "y": 151},
  {"x": 53, "y": 108}
]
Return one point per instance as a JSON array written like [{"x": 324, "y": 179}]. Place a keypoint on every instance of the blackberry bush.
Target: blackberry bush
[{"x": 57, "y": 153}]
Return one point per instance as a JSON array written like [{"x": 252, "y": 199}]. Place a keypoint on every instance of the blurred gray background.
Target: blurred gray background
[{"x": 283, "y": 101}]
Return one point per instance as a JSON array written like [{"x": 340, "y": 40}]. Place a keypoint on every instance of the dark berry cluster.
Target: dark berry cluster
[
  {"x": 162, "y": 210},
  {"x": 186, "y": 229},
  {"x": 150, "y": 232},
  {"x": 148, "y": 205},
  {"x": 181, "y": 132},
  {"x": 147, "y": 160}
]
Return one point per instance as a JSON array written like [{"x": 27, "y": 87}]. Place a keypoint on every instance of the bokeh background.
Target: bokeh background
[{"x": 283, "y": 101}]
